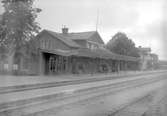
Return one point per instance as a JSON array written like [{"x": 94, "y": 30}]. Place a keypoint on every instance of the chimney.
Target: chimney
[{"x": 65, "y": 30}]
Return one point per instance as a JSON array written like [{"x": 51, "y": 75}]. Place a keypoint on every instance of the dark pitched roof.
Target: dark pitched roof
[
  {"x": 78, "y": 36},
  {"x": 67, "y": 41},
  {"x": 82, "y": 36}
]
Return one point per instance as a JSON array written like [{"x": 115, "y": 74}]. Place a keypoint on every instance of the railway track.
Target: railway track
[
  {"x": 18, "y": 88},
  {"x": 83, "y": 89}
]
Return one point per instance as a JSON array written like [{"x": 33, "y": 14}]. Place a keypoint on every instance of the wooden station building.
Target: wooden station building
[
  {"x": 76, "y": 53},
  {"x": 72, "y": 53}
]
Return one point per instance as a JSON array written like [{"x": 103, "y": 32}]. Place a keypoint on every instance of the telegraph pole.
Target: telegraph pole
[{"x": 97, "y": 20}]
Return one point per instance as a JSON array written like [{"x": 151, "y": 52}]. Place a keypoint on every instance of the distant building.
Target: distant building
[
  {"x": 162, "y": 64},
  {"x": 148, "y": 60}
]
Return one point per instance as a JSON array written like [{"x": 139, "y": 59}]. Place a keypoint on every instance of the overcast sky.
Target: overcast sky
[{"x": 142, "y": 20}]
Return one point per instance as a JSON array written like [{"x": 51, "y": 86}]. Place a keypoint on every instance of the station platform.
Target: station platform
[{"x": 10, "y": 80}]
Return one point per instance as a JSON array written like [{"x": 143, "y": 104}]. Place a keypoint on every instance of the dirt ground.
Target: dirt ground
[{"x": 155, "y": 104}]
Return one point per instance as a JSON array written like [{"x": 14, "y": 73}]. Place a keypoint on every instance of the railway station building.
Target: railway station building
[{"x": 71, "y": 53}]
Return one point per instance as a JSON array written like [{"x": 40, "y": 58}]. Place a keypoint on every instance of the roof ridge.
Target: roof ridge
[
  {"x": 71, "y": 32},
  {"x": 83, "y": 32}
]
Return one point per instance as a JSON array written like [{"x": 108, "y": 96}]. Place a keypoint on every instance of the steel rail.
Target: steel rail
[
  {"x": 97, "y": 91},
  {"x": 18, "y": 88}
]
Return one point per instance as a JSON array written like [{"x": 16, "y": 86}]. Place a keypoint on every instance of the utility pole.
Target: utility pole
[{"x": 97, "y": 20}]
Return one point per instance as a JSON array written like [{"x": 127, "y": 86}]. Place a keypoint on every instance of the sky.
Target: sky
[{"x": 143, "y": 21}]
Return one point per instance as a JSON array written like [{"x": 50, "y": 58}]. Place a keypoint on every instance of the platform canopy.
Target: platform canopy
[
  {"x": 95, "y": 53},
  {"x": 103, "y": 54}
]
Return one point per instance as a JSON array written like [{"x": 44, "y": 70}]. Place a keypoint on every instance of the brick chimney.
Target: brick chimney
[{"x": 65, "y": 30}]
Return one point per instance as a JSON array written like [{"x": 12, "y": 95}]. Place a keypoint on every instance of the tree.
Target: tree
[
  {"x": 18, "y": 25},
  {"x": 121, "y": 44}
]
